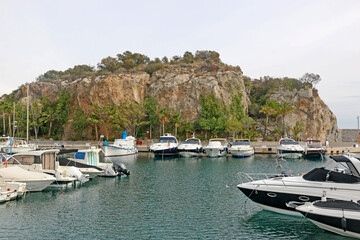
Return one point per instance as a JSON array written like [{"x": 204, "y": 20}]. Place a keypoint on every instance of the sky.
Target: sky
[{"x": 277, "y": 38}]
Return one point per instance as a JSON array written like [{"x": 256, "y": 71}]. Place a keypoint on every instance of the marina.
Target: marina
[{"x": 168, "y": 198}]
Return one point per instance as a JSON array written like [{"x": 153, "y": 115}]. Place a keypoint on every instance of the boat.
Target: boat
[
  {"x": 35, "y": 181},
  {"x": 217, "y": 147},
  {"x": 19, "y": 146},
  {"x": 4, "y": 142},
  {"x": 314, "y": 149},
  {"x": 339, "y": 180},
  {"x": 191, "y": 147},
  {"x": 11, "y": 190},
  {"x": 88, "y": 162},
  {"x": 45, "y": 161},
  {"x": 120, "y": 147},
  {"x": 289, "y": 148},
  {"x": 241, "y": 148},
  {"x": 337, "y": 216},
  {"x": 166, "y": 147}
]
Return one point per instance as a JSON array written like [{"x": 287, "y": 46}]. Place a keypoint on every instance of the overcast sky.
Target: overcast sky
[{"x": 264, "y": 37}]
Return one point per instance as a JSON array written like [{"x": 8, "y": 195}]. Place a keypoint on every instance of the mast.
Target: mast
[{"x": 27, "y": 115}]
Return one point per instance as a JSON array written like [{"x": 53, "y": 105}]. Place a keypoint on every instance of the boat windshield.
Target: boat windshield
[
  {"x": 167, "y": 139},
  {"x": 241, "y": 143},
  {"x": 191, "y": 142},
  {"x": 289, "y": 143}
]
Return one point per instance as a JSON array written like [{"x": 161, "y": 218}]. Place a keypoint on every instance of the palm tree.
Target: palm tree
[
  {"x": 268, "y": 111},
  {"x": 176, "y": 119},
  {"x": 163, "y": 113},
  {"x": 94, "y": 119},
  {"x": 49, "y": 116},
  {"x": 285, "y": 109}
]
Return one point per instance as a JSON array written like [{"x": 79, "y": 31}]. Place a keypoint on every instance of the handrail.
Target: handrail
[{"x": 250, "y": 177}]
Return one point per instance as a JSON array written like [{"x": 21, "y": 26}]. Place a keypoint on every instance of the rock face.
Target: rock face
[
  {"x": 320, "y": 122},
  {"x": 180, "y": 89}
]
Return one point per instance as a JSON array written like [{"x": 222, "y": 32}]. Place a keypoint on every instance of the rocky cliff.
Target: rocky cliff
[
  {"x": 319, "y": 121},
  {"x": 180, "y": 88}
]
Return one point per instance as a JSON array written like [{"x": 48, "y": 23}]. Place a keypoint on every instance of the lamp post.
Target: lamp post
[{"x": 358, "y": 134}]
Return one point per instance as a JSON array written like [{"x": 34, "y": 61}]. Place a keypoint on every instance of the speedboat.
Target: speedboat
[
  {"x": 241, "y": 148},
  {"x": 217, "y": 147},
  {"x": 88, "y": 162},
  {"x": 314, "y": 149},
  {"x": 339, "y": 180},
  {"x": 45, "y": 161},
  {"x": 289, "y": 148},
  {"x": 191, "y": 147},
  {"x": 121, "y": 147},
  {"x": 337, "y": 216},
  {"x": 35, "y": 181},
  {"x": 166, "y": 147},
  {"x": 19, "y": 146}
]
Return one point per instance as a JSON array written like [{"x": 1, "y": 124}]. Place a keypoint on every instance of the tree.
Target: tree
[
  {"x": 285, "y": 109},
  {"x": 36, "y": 112},
  {"x": 311, "y": 79},
  {"x": 237, "y": 107},
  {"x": 176, "y": 119},
  {"x": 164, "y": 118},
  {"x": 233, "y": 126},
  {"x": 268, "y": 110},
  {"x": 298, "y": 128},
  {"x": 49, "y": 116},
  {"x": 79, "y": 123},
  {"x": 94, "y": 120},
  {"x": 110, "y": 64},
  {"x": 136, "y": 116},
  {"x": 188, "y": 57},
  {"x": 150, "y": 105}
]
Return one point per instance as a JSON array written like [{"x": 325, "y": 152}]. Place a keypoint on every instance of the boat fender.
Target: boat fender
[
  {"x": 343, "y": 223},
  {"x": 197, "y": 149},
  {"x": 15, "y": 145}
]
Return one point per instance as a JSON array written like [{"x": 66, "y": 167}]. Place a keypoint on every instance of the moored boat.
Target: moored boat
[
  {"x": 289, "y": 148},
  {"x": 35, "y": 181},
  {"x": 337, "y": 216},
  {"x": 274, "y": 191},
  {"x": 314, "y": 149},
  {"x": 166, "y": 147},
  {"x": 191, "y": 147},
  {"x": 241, "y": 148},
  {"x": 217, "y": 147},
  {"x": 120, "y": 147}
]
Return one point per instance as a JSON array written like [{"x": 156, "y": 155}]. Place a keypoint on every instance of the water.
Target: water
[{"x": 162, "y": 199}]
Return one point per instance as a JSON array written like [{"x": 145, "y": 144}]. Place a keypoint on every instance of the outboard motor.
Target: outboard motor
[
  {"x": 119, "y": 167},
  {"x": 76, "y": 173}
]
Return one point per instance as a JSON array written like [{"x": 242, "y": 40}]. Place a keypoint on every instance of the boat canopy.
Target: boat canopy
[
  {"x": 167, "y": 139},
  {"x": 325, "y": 175}
]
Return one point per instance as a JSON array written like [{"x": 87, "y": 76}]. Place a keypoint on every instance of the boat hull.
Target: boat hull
[
  {"x": 242, "y": 153},
  {"x": 114, "y": 151},
  {"x": 339, "y": 221},
  {"x": 167, "y": 152},
  {"x": 215, "y": 152},
  {"x": 289, "y": 154},
  {"x": 190, "y": 153}
]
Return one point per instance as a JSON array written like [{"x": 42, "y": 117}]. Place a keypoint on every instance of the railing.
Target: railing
[{"x": 250, "y": 177}]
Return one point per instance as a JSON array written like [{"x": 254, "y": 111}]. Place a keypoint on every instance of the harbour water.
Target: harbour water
[{"x": 172, "y": 198}]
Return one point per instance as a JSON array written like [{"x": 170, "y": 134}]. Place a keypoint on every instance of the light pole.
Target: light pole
[{"x": 358, "y": 134}]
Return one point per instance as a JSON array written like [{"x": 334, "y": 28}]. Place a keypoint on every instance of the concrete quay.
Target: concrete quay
[{"x": 334, "y": 148}]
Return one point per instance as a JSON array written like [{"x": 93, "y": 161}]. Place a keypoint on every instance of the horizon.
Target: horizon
[{"x": 276, "y": 39}]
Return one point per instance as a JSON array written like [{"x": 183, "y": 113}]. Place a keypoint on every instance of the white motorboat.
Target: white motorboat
[
  {"x": 314, "y": 149},
  {"x": 275, "y": 191},
  {"x": 217, "y": 147},
  {"x": 191, "y": 147},
  {"x": 4, "y": 142},
  {"x": 121, "y": 147},
  {"x": 241, "y": 148},
  {"x": 11, "y": 190},
  {"x": 35, "y": 181},
  {"x": 289, "y": 148},
  {"x": 166, "y": 147},
  {"x": 19, "y": 146},
  {"x": 88, "y": 162},
  {"x": 337, "y": 216},
  {"x": 45, "y": 161}
]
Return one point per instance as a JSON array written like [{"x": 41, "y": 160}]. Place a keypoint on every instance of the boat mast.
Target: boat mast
[{"x": 27, "y": 115}]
